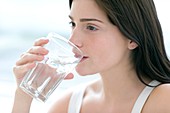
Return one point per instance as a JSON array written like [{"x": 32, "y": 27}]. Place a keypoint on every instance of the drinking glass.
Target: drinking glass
[{"x": 41, "y": 81}]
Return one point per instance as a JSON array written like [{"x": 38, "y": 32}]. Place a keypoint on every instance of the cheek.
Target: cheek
[
  {"x": 110, "y": 55},
  {"x": 104, "y": 54},
  {"x": 103, "y": 57}
]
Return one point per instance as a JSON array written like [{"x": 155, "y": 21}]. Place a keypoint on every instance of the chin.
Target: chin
[{"x": 83, "y": 72}]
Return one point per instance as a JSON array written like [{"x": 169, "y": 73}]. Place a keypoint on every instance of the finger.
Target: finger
[
  {"x": 28, "y": 58},
  {"x": 20, "y": 71},
  {"x": 41, "y": 41},
  {"x": 38, "y": 50},
  {"x": 69, "y": 76}
]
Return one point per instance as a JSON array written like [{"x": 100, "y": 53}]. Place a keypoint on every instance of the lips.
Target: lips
[
  {"x": 77, "y": 56},
  {"x": 84, "y": 58}
]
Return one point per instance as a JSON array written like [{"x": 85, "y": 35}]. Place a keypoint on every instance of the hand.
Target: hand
[{"x": 28, "y": 59}]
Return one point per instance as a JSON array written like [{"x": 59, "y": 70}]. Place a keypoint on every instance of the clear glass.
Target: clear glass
[{"x": 63, "y": 56}]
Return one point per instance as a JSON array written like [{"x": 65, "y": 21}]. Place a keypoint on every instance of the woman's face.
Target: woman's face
[{"x": 103, "y": 45}]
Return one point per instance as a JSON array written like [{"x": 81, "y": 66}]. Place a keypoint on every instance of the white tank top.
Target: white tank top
[{"x": 77, "y": 98}]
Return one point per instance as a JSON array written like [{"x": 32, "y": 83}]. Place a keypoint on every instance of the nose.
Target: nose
[{"x": 76, "y": 39}]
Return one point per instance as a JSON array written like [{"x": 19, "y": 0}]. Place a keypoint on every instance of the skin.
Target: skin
[{"x": 107, "y": 52}]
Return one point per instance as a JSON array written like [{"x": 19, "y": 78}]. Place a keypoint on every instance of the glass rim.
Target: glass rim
[{"x": 53, "y": 35}]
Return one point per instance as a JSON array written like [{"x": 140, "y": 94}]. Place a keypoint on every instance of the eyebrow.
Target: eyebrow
[{"x": 87, "y": 19}]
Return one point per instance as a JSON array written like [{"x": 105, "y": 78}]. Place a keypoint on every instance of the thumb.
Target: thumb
[{"x": 69, "y": 76}]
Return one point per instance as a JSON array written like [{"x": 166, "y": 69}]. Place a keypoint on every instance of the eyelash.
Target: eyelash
[
  {"x": 91, "y": 28},
  {"x": 72, "y": 24},
  {"x": 88, "y": 27}
]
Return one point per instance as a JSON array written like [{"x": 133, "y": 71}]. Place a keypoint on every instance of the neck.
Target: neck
[{"x": 120, "y": 85}]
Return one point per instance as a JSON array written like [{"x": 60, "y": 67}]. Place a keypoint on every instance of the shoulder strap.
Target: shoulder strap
[
  {"x": 143, "y": 97},
  {"x": 76, "y": 100}
]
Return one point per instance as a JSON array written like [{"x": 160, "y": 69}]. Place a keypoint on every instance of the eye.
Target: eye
[
  {"x": 72, "y": 24},
  {"x": 91, "y": 28}
]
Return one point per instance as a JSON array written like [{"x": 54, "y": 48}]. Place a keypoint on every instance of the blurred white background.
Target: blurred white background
[{"x": 23, "y": 21}]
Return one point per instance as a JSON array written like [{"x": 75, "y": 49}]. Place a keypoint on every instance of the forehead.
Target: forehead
[{"x": 86, "y": 8}]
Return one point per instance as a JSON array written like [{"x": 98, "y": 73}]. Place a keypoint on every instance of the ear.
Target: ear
[{"x": 132, "y": 45}]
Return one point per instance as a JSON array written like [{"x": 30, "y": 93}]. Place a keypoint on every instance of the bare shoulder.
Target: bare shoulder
[
  {"x": 159, "y": 100},
  {"x": 61, "y": 103}
]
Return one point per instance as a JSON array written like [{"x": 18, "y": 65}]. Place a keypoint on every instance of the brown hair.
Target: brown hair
[{"x": 138, "y": 21}]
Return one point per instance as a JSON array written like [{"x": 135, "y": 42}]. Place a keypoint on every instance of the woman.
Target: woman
[{"x": 122, "y": 41}]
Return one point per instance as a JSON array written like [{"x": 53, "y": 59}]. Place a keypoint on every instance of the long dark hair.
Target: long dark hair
[{"x": 138, "y": 21}]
